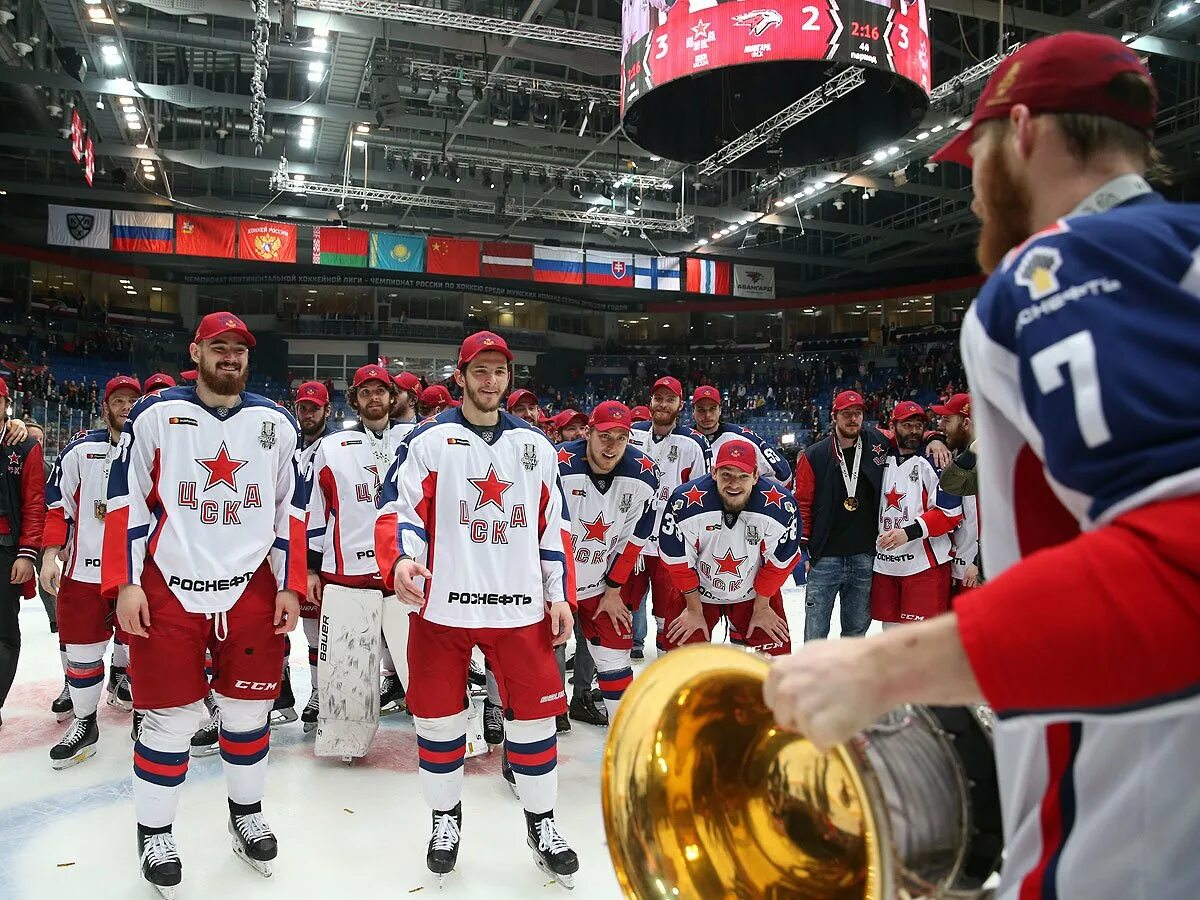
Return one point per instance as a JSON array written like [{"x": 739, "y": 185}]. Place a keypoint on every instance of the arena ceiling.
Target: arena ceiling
[{"x": 491, "y": 134}]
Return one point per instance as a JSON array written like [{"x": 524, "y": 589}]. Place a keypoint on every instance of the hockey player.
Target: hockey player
[
  {"x": 204, "y": 548},
  {"x": 729, "y": 540},
  {"x": 706, "y": 409},
  {"x": 157, "y": 382},
  {"x": 611, "y": 498},
  {"x": 640, "y": 414},
  {"x": 524, "y": 405},
  {"x": 75, "y": 499},
  {"x": 433, "y": 400},
  {"x": 958, "y": 478},
  {"x": 570, "y": 425},
  {"x": 473, "y": 532},
  {"x": 1080, "y": 351},
  {"x": 404, "y": 404},
  {"x": 912, "y": 557},
  {"x": 678, "y": 455}
]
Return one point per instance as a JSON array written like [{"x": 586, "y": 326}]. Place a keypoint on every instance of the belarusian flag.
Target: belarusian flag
[{"x": 334, "y": 246}]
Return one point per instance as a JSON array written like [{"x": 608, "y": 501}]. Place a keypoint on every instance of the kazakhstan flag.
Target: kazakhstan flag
[{"x": 398, "y": 252}]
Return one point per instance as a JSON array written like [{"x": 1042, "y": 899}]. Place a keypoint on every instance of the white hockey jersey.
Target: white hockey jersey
[
  {"x": 483, "y": 509},
  {"x": 910, "y": 498},
  {"x": 208, "y": 494},
  {"x": 75, "y": 505},
  {"x": 770, "y": 463},
  {"x": 679, "y": 457},
  {"x": 611, "y": 516},
  {"x": 965, "y": 539},
  {"x": 347, "y": 475},
  {"x": 730, "y": 557}
]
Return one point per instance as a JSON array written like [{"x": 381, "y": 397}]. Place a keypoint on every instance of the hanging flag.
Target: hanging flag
[
  {"x": 398, "y": 252},
  {"x": 557, "y": 265},
  {"x": 754, "y": 281},
  {"x": 79, "y": 226},
  {"x": 266, "y": 241},
  {"x": 708, "y": 276},
  {"x": 658, "y": 273},
  {"x": 76, "y": 136},
  {"x": 143, "y": 232},
  {"x": 205, "y": 236},
  {"x": 340, "y": 247},
  {"x": 452, "y": 256},
  {"x": 89, "y": 161},
  {"x": 503, "y": 260},
  {"x": 609, "y": 269}
]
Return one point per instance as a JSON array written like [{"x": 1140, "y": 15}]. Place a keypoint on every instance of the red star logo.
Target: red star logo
[
  {"x": 374, "y": 470},
  {"x": 893, "y": 498},
  {"x": 877, "y": 449},
  {"x": 647, "y": 464},
  {"x": 491, "y": 489},
  {"x": 729, "y": 564},
  {"x": 694, "y": 495},
  {"x": 564, "y": 458},
  {"x": 596, "y": 530},
  {"x": 773, "y": 496},
  {"x": 222, "y": 468},
  {"x": 746, "y": 430}
]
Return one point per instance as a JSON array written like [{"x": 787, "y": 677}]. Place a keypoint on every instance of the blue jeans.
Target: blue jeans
[
  {"x": 639, "y": 622},
  {"x": 849, "y": 576}
]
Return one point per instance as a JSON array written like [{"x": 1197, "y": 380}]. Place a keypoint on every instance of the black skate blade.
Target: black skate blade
[
  {"x": 205, "y": 750},
  {"x": 283, "y": 717},
  {"x": 262, "y": 867},
  {"x": 84, "y": 754}
]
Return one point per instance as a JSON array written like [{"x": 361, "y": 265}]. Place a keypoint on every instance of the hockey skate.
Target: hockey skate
[
  {"x": 120, "y": 694},
  {"x": 78, "y": 744},
  {"x": 550, "y": 852},
  {"x": 284, "y": 710},
  {"x": 476, "y": 677},
  {"x": 493, "y": 723},
  {"x": 253, "y": 840},
  {"x": 312, "y": 709},
  {"x": 62, "y": 707},
  {"x": 562, "y": 724},
  {"x": 442, "y": 855},
  {"x": 135, "y": 730},
  {"x": 584, "y": 709},
  {"x": 160, "y": 860},
  {"x": 206, "y": 741},
  {"x": 391, "y": 696}
]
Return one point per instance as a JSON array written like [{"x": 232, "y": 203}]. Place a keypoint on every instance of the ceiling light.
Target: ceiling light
[
  {"x": 97, "y": 12},
  {"x": 299, "y": 179},
  {"x": 131, "y": 292},
  {"x": 319, "y": 44},
  {"x": 315, "y": 76},
  {"x": 316, "y": 66},
  {"x": 309, "y": 121},
  {"x": 808, "y": 192},
  {"x": 125, "y": 101},
  {"x": 92, "y": 2},
  {"x": 922, "y": 135},
  {"x": 361, "y": 145},
  {"x": 196, "y": 20},
  {"x": 123, "y": 280},
  {"x": 363, "y": 128},
  {"x": 780, "y": 204},
  {"x": 892, "y": 151},
  {"x": 1177, "y": 11},
  {"x": 149, "y": 176},
  {"x": 717, "y": 236},
  {"x": 879, "y": 156},
  {"x": 935, "y": 129},
  {"x": 147, "y": 164},
  {"x": 133, "y": 126},
  {"x": 156, "y": 288},
  {"x": 305, "y": 143},
  {"x": 868, "y": 162}
]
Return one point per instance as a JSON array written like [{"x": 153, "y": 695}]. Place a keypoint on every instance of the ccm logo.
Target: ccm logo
[{"x": 256, "y": 685}]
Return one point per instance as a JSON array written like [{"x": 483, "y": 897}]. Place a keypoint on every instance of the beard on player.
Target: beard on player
[
  {"x": 311, "y": 418},
  {"x": 223, "y": 375},
  {"x": 958, "y": 432},
  {"x": 734, "y": 488},
  {"x": 1002, "y": 200}
]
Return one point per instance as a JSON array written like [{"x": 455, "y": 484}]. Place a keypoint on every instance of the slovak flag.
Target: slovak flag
[
  {"x": 709, "y": 276},
  {"x": 658, "y": 273},
  {"x": 609, "y": 269},
  {"x": 557, "y": 265}
]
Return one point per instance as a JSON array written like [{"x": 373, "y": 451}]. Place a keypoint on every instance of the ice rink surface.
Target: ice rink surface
[{"x": 343, "y": 831}]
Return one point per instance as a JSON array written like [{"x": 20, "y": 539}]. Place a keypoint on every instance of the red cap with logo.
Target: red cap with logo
[
  {"x": 957, "y": 405},
  {"x": 407, "y": 381},
  {"x": 848, "y": 400},
  {"x": 480, "y": 342},
  {"x": 313, "y": 392},
  {"x": 1069, "y": 72},
  {"x": 190, "y": 375},
  {"x": 706, "y": 392},
  {"x": 158, "y": 381},
  {"x": 122, "y": 381},
  {"x": 3, "y": 388},
  {"x": 671, "y": 384},
  {"x": 546, "y": 421},
  {"x": 221, "y": 322},
  {"x": 907, "y": 409},
  {"x": 372, "y": 372},
  {"x": 611, "y": 414},
  {"x": 640, "y": 414},
  {"x": 435, "y": 395},
  {"x": 738, "y": 455},
  {"x": 567, "y": 416},
  {"x": 516, "y": 398}
]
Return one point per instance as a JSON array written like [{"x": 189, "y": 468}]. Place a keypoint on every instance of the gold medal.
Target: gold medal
[
  {"x": 100, "y": 509},
  {"x": 851, "y": 504}
]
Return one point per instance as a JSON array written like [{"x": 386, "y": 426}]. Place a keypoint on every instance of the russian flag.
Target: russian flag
[
  {"x": 143, "y": 232},
  {"x": 557, "y": 265},
  {"x": 658, "y": 273},
  {"x": 609, "y": 269},
  {"x": 709, "y": 276}
]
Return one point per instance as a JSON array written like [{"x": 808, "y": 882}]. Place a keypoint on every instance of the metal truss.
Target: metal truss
[
  {"x": 548, "y": 171},
  {"x": 456, "y": 75},
  {"x": 811, "y": 103},
  {"x": 598, "y": 218},
  {"x": 388, "y": 10}
]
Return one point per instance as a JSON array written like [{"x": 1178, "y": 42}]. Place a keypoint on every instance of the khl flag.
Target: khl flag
[
  {"x": 79, "y": 226},
  {"x": 658, "y": 273},
  {"x": 143, "y": 232},
  {"x": 609, "y": 269},
  {"x": 708, "y": 276},
  {"x": 397, "y": 252},
  {"x": 557, "y": 265},
  {"x": 205, "y": 236},
  {"x": 335, "y": 246}
]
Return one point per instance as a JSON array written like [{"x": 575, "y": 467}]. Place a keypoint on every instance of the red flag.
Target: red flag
[
  {"x": 89, "y": 161},
  {"x": 205, "y": 236},
  {"x": 503, "y": 260},
  {"x": 266, "y": 241},
  {"x": 76, "y": 135},
  {"x": 452, "y": 256}
]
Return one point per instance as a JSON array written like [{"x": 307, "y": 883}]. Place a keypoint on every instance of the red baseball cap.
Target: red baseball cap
[
  {"x": 158, "y": 381},
  {"x": 611, "y": 414},
  {"x": 957, "y": 405},
  {"x": 435, "y": 395},
  {"x": 313, "y": 392},
  {"x": 122, "y": 381},
  {"x": 407, "y": 381},
  {"x": 516, "y": 398},
  {"x": 706, "y": 392},
  {"x": 3, "y": 388},
  {"x": 1063, "y": 73},
  {"x": 671, "y": 384},
  {"x": 544, "y": 419},
  {"x": 567, "y": 416},
  {"x": 848, "y": 399},
  {"x": 220, "y": 322},
  {"x": 738, "y": 455},
  {"x": 372, "y": 372},
  {"x": 479, "y": 342},
  {"x": 907, "y": 409},
  {"x": 190, "y": 375},
  {"x": 640, "y": 414}
]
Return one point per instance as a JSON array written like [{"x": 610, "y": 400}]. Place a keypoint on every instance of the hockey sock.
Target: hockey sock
[
  {"x": 245, "y": 742},
  {"x": 85, "y": 676},
  {"x": 532, "y": 747},
  {"x": 62, "y": 655},
  {"x": 311, "y": 629},
  {"x": 388, "y": 664},
  {"x": 120, "y": 654},
  {"x": 160, "y": 761},
  {"x": 614, "y": 674},
  {"x": 441, "y": 749},
  {"x": 493, "y": 687}
]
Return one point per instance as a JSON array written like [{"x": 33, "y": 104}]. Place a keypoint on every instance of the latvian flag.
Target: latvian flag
[
  {"x": 709, "y": 276},
  {"x": 504, "y": 260},
  {"x": 557, "y": 265},
  {"x": 143, "y": 232},
  {"x": 609, "y": 269},
  {"x": 658, "y": 273}
]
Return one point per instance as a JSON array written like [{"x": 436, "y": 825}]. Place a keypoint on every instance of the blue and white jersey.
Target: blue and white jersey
[
  {"x": 75, "y": 504},
  {"x": 770, "y": 462},
  {"x": 678, "y": 456}
]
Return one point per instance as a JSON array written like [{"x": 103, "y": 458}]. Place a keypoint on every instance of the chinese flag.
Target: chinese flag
[{"x": 452, "y": 256}]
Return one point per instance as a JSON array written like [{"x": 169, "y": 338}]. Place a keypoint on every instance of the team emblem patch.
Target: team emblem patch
[
  {"x": 1036, "y": 272},
  {"x": 752, "y": 535},
  {"x": 80, "y": 225},
  {"x": 913, "y": 476},
  {"x": 100, "y": 510},
  {"x": 529, "y": 460},
  {"x": 14, "y": 463},
  {"x": 673, "y": 454},
  {"x": 626, "y": 502},
  {"x": 223, "y": 411},
  {"x": 266, "y": 438}
]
